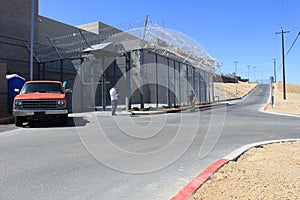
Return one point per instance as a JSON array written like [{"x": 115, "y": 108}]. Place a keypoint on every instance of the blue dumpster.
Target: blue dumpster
[{"x": 14, "y": 81}]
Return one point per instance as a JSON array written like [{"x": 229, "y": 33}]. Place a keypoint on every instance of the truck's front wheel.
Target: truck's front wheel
[
  {"x": 63, "y": 119},
  {"x": 19, "y": 121}
]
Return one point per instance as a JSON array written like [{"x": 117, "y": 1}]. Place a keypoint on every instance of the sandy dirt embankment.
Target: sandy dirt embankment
[
  {"x": 224, "y": 91},
  {"x": 269, "y": 172},
  {"x": 291, "y": 104},
  {"x": 266, "y": 172}
]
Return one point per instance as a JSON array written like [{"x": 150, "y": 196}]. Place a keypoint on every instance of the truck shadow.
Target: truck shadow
[{"x": 52, "y": 123}]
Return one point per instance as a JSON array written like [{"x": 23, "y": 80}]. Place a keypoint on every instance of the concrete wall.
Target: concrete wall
[
  {"x": 52, "y": 28},
  {"x": 15, "y": 23},
  {"x": 99, "y": 28},
  {"x": 15, "y": 30},
  {"x": 94, "y": 27},
  {"x": 3, "y": 89}
]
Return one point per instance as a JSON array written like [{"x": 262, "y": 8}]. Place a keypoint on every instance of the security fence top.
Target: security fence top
[{"x": 126, "y": 37}]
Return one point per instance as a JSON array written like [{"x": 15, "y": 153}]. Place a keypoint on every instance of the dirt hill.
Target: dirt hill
[
  {"x": 292, "y": 102},
  {"x": 225, "y": 91}
]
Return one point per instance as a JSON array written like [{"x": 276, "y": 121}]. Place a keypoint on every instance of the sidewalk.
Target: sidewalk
[{"x": 7, "y": 119}]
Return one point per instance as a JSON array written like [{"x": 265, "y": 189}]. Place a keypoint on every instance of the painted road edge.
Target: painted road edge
[{"x": 197, "y": 182}]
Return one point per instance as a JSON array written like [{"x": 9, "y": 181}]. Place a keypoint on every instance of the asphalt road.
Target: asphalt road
[{"x": 125, "y": 157}]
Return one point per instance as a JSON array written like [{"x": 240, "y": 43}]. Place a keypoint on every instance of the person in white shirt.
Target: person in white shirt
[{"x": 114, "y": 99}]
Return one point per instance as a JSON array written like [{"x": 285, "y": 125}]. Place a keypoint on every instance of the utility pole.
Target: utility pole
[
  {"x": 254, "y": 72},
  {"x": 283, "y": 64},
  {"x": 274, "y": 60},
  {"x": 235, "y": 63},
  {"x": 248, "y": 73},
  {"x": 31, "y": 39}
]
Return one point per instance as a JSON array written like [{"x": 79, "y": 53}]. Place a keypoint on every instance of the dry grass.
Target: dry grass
[
  {"x": 292, "y": 102},
  {"x": 224, "y": 91}
]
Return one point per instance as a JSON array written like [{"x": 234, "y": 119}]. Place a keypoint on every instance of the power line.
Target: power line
[
  {"x": 288, "y": 51},
  {"x": 292, "y": 45}
]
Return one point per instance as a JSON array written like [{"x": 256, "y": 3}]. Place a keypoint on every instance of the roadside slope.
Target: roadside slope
[
  {"x": 292, "y": 103},
  {"x": 226, "y": 91},
  {"x": 257, "y": 174}
]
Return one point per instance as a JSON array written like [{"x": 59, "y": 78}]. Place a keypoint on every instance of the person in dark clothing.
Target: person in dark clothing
[{"x": 192, "y": 100}]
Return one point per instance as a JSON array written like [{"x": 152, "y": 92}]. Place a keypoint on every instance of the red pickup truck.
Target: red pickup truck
[{"x": 39, "y": 100}]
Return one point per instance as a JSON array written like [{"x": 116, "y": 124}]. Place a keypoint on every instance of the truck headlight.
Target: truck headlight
[
  {"x": 18, "y": 103},
  {"x": 61, "y": 103}
]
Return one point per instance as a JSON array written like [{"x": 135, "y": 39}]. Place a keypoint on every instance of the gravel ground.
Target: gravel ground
[{"x": 268, "y": 172}]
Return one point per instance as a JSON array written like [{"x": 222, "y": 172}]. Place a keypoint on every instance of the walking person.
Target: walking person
[
  {"x": 114, "y": 99},
  {"x": 192, "y": 100}
]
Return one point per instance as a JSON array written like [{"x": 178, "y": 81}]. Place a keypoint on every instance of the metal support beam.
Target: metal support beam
[
  {"x": 39, "y": 71},
  {"x": 44, "y": 70},
  {"x": 187, "y": 80},
  {"x": 103, "y": 88},
  {"x": 29, "y": 48},
  {"x": 142, "y": 78},
  {"x": 32, "y": 38},
  {"x": 193, "y": 75},
  {"x": 156, "y": 80},
  {"x": 174, "y": 98},
  {"x": 179, "y": 84},
  {"x": 128, "y": 81},
  {"x": 168, "y": 83},
  {"x": 61, "y": 70}
]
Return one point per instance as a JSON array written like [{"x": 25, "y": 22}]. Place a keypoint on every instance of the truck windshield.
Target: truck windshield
[{"x": 42, "y": 88}]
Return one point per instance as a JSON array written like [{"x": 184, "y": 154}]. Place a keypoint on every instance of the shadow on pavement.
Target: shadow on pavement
[{"x": 72, "y": 122}]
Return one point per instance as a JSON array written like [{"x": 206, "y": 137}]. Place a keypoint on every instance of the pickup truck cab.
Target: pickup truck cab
[{"x": 40, "y": 100}]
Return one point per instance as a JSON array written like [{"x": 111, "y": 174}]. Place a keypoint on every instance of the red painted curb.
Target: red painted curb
[
  {"x": 266, "y": 106},
  {"x": 268, "y": 103},
  {"x": 197, "y": 182}
]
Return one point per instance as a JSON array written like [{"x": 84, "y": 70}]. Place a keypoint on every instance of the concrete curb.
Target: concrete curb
[
  {"x": 175, "y": 110},
  {"x": 264, "y": 109},
  {"x": 278, "y": 113},
  {"x": 197, "y": 182}
]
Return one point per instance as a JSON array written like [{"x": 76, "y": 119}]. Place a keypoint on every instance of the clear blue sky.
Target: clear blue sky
[{"x": 241, "y": 30}]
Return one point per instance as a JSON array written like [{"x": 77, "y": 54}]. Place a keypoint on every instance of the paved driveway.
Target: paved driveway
[{"x": 123, "y": 157}]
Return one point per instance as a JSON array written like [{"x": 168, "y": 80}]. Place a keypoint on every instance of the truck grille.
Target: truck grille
[{"x": 40, "y": 104}]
